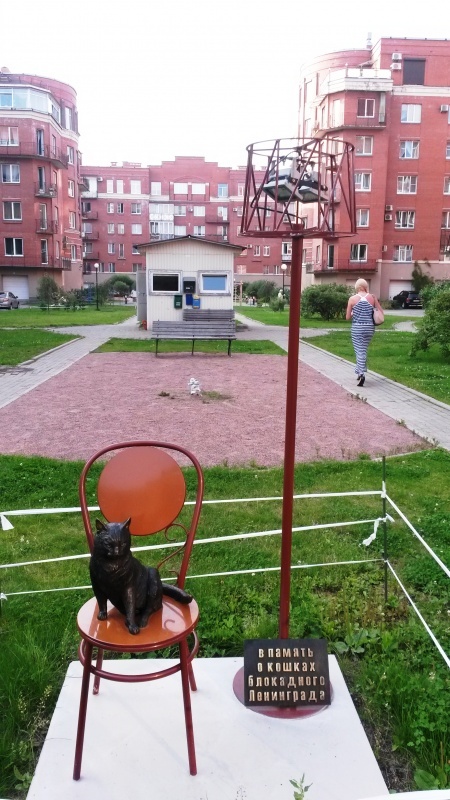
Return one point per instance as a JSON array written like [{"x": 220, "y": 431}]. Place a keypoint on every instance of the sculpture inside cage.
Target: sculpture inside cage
[{"x": 294, "y": 177}]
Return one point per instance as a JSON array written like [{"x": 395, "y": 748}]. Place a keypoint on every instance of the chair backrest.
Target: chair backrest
[{"x": 142, "y": 480}]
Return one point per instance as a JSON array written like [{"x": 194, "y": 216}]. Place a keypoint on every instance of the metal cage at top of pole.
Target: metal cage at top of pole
[{"x": 286, "y": 176}]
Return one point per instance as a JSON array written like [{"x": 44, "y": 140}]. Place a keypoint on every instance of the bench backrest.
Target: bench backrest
[{"x": 199, "y": 314}]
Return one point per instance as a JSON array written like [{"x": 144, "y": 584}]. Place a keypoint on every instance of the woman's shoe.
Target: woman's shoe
[{"x": 362, "y": 378}]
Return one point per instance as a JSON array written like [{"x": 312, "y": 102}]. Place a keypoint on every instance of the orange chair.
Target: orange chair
[{"x": 142, "y": 481}]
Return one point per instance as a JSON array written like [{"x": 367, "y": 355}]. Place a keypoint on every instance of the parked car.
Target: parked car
[
  {"x": 8, "y": 300},
  {"x": 407, "y": 300}
]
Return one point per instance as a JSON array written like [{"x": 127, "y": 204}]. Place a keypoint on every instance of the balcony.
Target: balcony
[
  {"x": 89, "y": 214},
  {"x": 91, "y": 256},
  {"x": 48, "y": 226},
  {"x": 444, "y": 246},
  {"x": 214, "y": 220},
  {"x": 44, "y": 191},
  {"x": 83, "y": 183},
  {"x": 357, "y": 79},
  {"x": 345, "y": 265},
  {"x": 31, "y": 150},
  {"x": 89, "y": 237},
  {"x": 25, "y": 262}
]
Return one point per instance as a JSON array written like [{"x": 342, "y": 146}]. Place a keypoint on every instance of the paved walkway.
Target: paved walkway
[{"x": 426, "y": 417}]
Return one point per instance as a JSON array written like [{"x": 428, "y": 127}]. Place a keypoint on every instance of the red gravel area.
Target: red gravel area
[{"x": 106, "y": 398}]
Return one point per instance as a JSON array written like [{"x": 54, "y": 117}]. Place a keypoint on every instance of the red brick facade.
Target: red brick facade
[{"x": 39, "y": 184}]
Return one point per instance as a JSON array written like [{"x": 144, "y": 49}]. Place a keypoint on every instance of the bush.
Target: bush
[
  {"x": 429, "y": 292},
  {"x": 48, "y": 292},
  {"x": 262, "y": 290},
  {"x": 328, "y": 300},
  {"x": 436, "y": 324}
]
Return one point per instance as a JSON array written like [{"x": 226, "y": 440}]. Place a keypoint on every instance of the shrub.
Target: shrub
[
  {"x": 429, "y": 292},
  {"x": 262, "y": 290},
  {"x": 328, "y": 300},
  {"x": 436, "y": 324},
  {"x": 48, "y": 291}
]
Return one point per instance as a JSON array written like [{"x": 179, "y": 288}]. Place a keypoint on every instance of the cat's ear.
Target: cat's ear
[
  {"x": 127, "y": 523},
  {"x": 99, "y": 525}
]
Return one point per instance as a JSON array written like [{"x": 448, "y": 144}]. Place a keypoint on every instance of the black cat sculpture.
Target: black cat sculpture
[{"x": 135, "y": 590}]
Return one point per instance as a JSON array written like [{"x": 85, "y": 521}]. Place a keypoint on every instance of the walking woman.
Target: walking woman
[{"x": 360, "y": 311}]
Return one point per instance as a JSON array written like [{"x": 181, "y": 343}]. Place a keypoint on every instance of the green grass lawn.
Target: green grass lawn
[
  {"x": 37, "y": 318},
  {"x": 256, "y": 347},
  {"x": 269, "y": 317},
  {"x": 389, "y": 355},
  {"x": 17, "y": 346},
  {"x": 398, "y": 679}
]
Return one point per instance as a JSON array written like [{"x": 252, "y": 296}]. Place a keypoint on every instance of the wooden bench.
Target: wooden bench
[
  {"x": 194, "y": 330},
  {"x": 208, "y": 314}
]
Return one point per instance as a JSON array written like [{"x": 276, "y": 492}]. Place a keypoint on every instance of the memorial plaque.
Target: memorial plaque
[{"x": 286, "y": 672}]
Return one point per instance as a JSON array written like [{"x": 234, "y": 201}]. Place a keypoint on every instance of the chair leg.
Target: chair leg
[
  {"x": 82, "y": 712},
  {"x": 192, "y": 682},
  {"x": 98, "y": 665},
  {"x": 185, "y": 678}
]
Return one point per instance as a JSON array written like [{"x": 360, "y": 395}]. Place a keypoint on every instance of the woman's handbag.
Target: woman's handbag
[{"x": 378, "y": 316}]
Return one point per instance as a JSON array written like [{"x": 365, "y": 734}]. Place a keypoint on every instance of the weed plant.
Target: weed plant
[{"x": 397, "y": 678}]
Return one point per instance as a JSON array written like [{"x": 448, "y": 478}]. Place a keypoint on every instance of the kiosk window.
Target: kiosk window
[
  {"x": 165, "y": 283},
  {"x": 214, "y": 283}
]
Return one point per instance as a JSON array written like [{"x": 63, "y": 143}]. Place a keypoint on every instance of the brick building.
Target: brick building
[
  {"x": 391, "y": 101},
  {"x": 128, "y": 205},
  {"x": 39, "y": 184}
]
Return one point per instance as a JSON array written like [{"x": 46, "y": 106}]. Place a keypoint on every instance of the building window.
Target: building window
[
  {"x": 179, "y": 211},
  {"x": 120, "y": 208},
  {"x": 358, "y": 252},
  {"x": 110, "y": 208},
  {"x": 120, "y": 228},
  {"x": 447, "y": 185},
  {"x": 447, "y": 150},
  {"x": 163, "y": 282},
  {"x": 111, "y": 266},
  {"x": 364, "y": 145},
  {"x": 199, "y": 211},
  {"x": 403, "y": 252},
  {"x": 239, "y": 211},
  {"x": 136, "y": 266},
  {"x": 180, "y": 188},
  {"x": 9, "y": 135},
  {"x": 362, "y": 218},
  {"x": 214, "y": 283},
  {"x": 445, "y": 219},
  {"x": 70, "y": 155},
  {"x": 366, "y": 107},
  {"x": 407, "y": 184},
  {"x": 109, "y": 186},
  {"x": 266, "y": 269},
  {"x": 409, "y": 149},
  {"x": 44, "y": 251},
  {"x": 88, "y": 248},
  {"x": 241, "y": 269},
  {"x": 87, "y": 227},
  {"x": 73, "y": 252},
  {"x": 135, "y": 208},
  {"x": 164, "y": 229},
  {"x": 12, "y": 210},
  {"x": 180, "y": 230},
  {"x": 135, "y": 250},
  {"x": 121, "y": 250},
  {"x": 414, "y": 71},
  {"x": 72, "y": 220},
  {"x": 222, "y": 190},
  {"x": 136, "y": 229},
  {"x": 198, "y": 188},
  {"x": 363, "y": 181},
  {"x": 286, "y": 250},
  {"x": 266, "y": 250},
  {"x": 111, "y": 248},
  {"x": 155, "y": 188},
  {"x": 10, "y": 173},
  {"x": 240, "y": 189},
  {"x": 68, "y": 118},
  {"x": 13, "y": 247},
  {"x": 199, "y": 230},
  {"x": 119, "y": 187},
  {"x": 411, "y": 112},
  {"x": 405, "y": 219},
  {"x": 222, "y": 211},
  {"x": 71, "y": 188},
  {"x": 110, "y": 227},
  {"x": 135, "y": 187}
]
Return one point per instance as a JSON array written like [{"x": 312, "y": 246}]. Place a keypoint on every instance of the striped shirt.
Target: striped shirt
[{"x": 363, "y": 313}]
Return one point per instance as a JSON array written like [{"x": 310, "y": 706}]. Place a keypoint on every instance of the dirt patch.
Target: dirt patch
[{"x": 117, "y": 396}]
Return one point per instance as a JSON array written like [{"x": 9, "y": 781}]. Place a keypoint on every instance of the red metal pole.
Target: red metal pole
[{"x": 290, "y": 431}]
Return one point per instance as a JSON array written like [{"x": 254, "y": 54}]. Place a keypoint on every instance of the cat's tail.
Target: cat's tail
[{"x": 176, "y": 593}]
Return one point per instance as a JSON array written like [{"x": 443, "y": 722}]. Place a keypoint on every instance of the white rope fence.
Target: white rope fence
[{"x": 7, "y": 525}]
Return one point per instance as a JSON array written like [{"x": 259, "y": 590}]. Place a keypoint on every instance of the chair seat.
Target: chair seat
[{"x": 172, "y": 623}]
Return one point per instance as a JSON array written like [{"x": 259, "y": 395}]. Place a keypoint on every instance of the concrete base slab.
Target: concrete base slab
[{"x": 135, "y": 744}]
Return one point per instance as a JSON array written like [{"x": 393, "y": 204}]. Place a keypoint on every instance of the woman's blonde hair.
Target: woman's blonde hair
[{"x": 361, "y": 284}]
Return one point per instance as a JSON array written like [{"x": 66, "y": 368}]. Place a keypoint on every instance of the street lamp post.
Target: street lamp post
[
  {"x": 283, "y": 272},
  {"x": 96, "y": 267}
]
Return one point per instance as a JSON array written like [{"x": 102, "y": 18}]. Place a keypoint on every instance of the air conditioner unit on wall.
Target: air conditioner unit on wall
[
  {"x": 444, "y": 108},
  {"x": 396, "y": 66},
  {"x": 388, "y": 217},
  {"x": 389, "y": 208},
  {"x": 396, "y": 56}
]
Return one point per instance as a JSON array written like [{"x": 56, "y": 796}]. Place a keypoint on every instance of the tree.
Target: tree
[
  {"x": 262, "y": 290},
  {"x": 48, "y": 291},
  {"x": 329, "y": 300},
  {"x": 419, "y": 278},
  {"x": 436, "y": 324}
]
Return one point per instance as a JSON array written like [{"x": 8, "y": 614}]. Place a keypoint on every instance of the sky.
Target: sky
[{"x": 157, "y": 80}]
